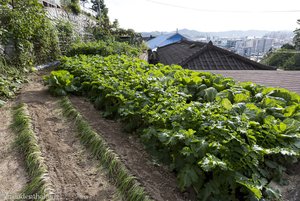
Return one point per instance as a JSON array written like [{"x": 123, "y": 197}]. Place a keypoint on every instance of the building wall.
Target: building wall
[{"x": 264, "y": 45}]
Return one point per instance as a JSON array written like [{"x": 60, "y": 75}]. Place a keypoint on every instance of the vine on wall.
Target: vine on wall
[{"x": 27, "y": 31}]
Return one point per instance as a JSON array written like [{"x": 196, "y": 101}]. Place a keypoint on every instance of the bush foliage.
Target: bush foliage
[
  {"x": 103, "y": 48},
  {"x": 25, "y": 27}
]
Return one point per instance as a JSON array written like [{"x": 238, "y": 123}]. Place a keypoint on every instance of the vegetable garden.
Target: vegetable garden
[{"x": 225, "y": 140}]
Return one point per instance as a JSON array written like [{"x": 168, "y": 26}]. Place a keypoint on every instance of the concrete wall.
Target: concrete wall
[{"x": 80, "y": 22}]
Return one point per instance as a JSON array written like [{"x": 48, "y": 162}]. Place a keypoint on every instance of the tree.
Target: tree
[
  {"x": 100, "y": 7},
  {"x": 297, "y": 37}
]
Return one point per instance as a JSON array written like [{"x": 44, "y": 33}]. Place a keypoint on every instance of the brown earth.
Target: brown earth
[
  {"x": 12, "y": 172},
  {"x": 158, "y": 180},
  {"x": 73, "y": 173},
  {"x": 291, "y": 191}
]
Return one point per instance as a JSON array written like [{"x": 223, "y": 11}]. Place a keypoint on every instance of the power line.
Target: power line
[{"x": 222, "y": 11}]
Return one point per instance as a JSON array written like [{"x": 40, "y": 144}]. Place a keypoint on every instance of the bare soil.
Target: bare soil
[
  {"x": 73, "y": 172},
  {"x": 158, "y": 180},
  {"x": 12, "y": 172},
  {"x": 291, "y": 191}
]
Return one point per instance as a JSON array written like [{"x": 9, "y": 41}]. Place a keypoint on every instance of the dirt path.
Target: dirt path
[
  {"x": 291, "y": 192},
  {"x": 73, "y": 173},
  {"x": 158, "y": 181},
  {"x": 12, "y": 171}
]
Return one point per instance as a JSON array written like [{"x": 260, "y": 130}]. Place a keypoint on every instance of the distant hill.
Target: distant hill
[{"x": 224, "y": 34}]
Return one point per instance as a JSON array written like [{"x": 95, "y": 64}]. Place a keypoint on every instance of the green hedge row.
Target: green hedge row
[{"x": 103, "y": 48}]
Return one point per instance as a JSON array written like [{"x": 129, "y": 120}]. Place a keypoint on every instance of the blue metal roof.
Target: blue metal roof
[{"x": 163, "y": 40}]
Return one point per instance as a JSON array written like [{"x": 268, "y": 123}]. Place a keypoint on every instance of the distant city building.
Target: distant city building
[
  {"x": 264, "y": 45},
  {"x": 252, "y": 47}
]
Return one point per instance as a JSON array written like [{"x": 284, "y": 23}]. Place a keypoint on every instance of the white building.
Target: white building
[{"x": 264, "y": 45}]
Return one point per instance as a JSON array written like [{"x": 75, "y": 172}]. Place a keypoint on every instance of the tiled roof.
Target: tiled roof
[
  {"x": 285, "y": 79},
  {"x": 205, "y": 56}
]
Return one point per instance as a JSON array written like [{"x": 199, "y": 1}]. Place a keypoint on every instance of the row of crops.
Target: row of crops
[{"x": 225, "y": 140}]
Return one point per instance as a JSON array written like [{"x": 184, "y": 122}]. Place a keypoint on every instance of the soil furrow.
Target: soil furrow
[
  {"x": 73, "y": 172},
  {"x": 12, "y": 169},
  {"x": 157, "y": 180}
]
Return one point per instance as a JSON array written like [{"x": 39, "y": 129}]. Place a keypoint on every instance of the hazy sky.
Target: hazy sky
[{"x": 205, "y": 15}]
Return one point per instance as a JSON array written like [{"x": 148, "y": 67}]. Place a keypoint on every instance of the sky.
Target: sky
[{"x": 205, "y": 15}]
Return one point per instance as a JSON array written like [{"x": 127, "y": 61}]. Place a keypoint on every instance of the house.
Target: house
[
  {"x": 204, "y": 56},
  {"x": 163, "y": 40}
]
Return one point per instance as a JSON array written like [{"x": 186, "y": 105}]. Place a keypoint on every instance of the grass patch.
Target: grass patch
[
  {"x": 38, "y": 188},
  {"x": 127, "y": 185}
]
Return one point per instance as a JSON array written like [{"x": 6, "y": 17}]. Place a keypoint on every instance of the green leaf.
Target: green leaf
[
  {"x": 210, "y": 94},
  {"x": 238, "y": 98},
  {"x": 226, "y": 104},
  {"x": 187, "y": 176},
  {"x": 254, "y": 188},
  {"x": 211, "y": 162}
]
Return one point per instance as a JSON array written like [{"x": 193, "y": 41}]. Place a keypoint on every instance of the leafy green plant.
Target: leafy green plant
[
  {"x": 60, "y": 82},
  {"x": 11, "y": 80},
  {"x": 103, "y": 48},
  {"x": 225, "y": 140}
]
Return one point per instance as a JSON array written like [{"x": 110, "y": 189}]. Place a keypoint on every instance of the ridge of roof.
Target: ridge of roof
[
  {"x": 188, "y": 42},
  {"x": 213, "y": 47},
  {"x": 193, "y": 55},
  {"x": 237, "y": 56}
]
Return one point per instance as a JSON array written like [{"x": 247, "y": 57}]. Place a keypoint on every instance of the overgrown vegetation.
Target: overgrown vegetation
[
  {"x": 27, "y": 33},
  {"x": 28, "y": 145},
  {"x": 10, "y": 81},
  {"x": 103, "y": 48},
  {"x": 126, "y": 183},
  {"x": 71, "y": 6},
  {"x": 227, "y": 141},
  {"x": 28, "y": 38},
  {"x": 66, "y": 35},
  {"x": 286, "y": 58}
]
